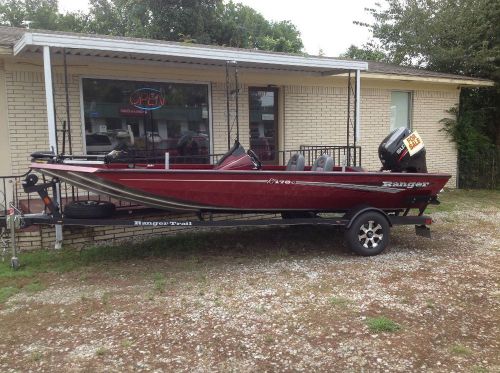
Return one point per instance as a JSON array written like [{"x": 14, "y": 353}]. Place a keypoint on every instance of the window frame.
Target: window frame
[
  {"x": 143, "y": 79},
  {"x": 410, "y": 107}
]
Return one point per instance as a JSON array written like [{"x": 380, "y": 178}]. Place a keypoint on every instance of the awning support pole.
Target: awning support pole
[
  {"x": 51, "y": 122},
  {"x": 227, "y": 108},
  {"x": 357, "y": 101},
  {"x": 66, "y": 91},
  {"x": 348, "y": 142},
  {"x": 49, "y": 97},
  {"x": 237, "y": 103}
]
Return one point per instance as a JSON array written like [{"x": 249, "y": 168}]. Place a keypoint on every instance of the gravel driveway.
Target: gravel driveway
[{"x": 283, "y": 299}]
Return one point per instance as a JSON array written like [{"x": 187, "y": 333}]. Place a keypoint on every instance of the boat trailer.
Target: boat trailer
[{"x": 367, "y": 228}]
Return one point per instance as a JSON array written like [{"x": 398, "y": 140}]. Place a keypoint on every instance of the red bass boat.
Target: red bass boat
[
  {"x": 369, "y": 202},
  {"x": 240, "y": 183}
]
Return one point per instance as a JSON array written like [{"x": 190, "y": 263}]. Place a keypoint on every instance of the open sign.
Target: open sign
[{"x": 147, "y": 99}]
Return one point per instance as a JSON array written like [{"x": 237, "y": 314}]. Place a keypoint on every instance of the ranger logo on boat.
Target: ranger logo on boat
[{"x": 404, "y": 184}]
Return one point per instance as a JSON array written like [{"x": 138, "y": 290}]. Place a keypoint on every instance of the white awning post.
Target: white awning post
[
  {"x": 358, "y": 101},
  {"x": 51, "y": 122},
  {"x": 49, "y": 97}
]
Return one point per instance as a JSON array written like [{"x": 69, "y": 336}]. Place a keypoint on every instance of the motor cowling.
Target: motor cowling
[{"x": 403, "y": 151}]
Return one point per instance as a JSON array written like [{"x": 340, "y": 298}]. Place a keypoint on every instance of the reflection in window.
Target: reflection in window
[
  {"x": 400, "y": 110},
  {"x": 263, "y": 123},
  {"x": 149, "y": 117}
]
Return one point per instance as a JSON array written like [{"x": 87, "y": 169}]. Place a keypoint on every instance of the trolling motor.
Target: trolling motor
[{"x": 403, "y": 151}]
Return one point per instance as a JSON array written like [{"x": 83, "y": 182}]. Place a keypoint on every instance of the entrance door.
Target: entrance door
[{"x": 263, "y": 103}]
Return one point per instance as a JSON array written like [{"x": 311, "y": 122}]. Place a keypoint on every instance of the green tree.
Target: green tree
[
  {"x": 39, "y": 14},
  {"x": 365, "y": 53},
  {"x": 199, "y": 21},
  {"x": 451, "y": 36},
  {"x": 243, "y": 27},
  {"x": 455, "y": 36}
]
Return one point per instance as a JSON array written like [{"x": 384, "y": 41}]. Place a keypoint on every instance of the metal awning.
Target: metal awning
[{"x": 163, "y": 51}]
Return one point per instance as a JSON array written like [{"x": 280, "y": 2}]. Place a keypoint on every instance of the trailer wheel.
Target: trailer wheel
[
  {"x": 89, "y": 209},
  {"x": 368, "y": 234}
]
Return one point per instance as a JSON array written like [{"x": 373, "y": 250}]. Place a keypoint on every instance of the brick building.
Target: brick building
[{"x": 285, "y": 101}]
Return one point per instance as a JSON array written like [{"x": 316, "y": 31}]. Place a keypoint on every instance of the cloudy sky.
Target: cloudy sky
[{"x": 325, "y": 24}]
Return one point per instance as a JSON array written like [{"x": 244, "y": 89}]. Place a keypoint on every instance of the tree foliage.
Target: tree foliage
[
  {"x": 41, "y": 14},
  {"x": 365, "y": 53},
  {"x": 455, "y": 36},
  {"x": 199, "y": 21},
  {"x": 451, "y": 36}
]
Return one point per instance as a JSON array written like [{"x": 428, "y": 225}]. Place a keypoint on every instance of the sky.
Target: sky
[{"x": 323, "y": 24}]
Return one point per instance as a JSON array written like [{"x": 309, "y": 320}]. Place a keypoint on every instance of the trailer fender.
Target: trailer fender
[{"x": 353, "y": 214}]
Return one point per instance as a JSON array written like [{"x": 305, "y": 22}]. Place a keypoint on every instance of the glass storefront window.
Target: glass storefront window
[{"x": 148, "y": 117}]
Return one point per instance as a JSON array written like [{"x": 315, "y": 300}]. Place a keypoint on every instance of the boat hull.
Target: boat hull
[{"x": 248, "y": 191}]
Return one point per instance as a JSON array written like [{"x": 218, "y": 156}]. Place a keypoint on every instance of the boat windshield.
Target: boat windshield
[{"x": 236, "y": 159}]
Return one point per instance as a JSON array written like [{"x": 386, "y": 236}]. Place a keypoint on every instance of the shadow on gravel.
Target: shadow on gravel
[
  {"x": 268, "y": 243},
  {"x": 232, "y": 244}
]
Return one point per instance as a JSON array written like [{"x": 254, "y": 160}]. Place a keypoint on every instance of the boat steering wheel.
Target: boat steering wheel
[{"x": 255, "y": 160}]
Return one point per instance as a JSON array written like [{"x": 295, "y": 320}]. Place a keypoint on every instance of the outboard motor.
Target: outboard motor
[{"x": 403, "y": 151}]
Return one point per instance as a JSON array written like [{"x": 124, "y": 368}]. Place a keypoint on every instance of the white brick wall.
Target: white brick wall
[
  {"x": 27, "y": 115},
  {"x": 318, "y": 116}
]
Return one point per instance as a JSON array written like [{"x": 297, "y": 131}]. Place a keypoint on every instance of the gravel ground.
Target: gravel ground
[{"x": 284, "y": 299}]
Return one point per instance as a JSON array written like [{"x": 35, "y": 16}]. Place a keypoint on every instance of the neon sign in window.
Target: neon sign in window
[{"x": 147, "y": 99}]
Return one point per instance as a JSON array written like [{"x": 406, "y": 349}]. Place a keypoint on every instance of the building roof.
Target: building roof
[
  {"x": 20, "y": 39},
  {"x": 132, "y": 49},
  {"x": 387, "y": 68}
]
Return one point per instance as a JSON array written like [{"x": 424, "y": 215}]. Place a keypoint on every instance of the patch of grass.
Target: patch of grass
[
  {"x": 458, "y": 349},
  {"x": 382, "y": 324},
  {"x": 430, "y": 304},
  {"x": 260, "y": 310},
  {"x": 7, "y": 292},
  {"x": 34, "y": 287},
  {"x": 479, "y": 369},
  {"x": 159, "y": 282},
  {"x": 126, "y": 343},
  {"x": 217, "y": 302},
  {"x": 339, "y": 301},
  {"x": 105, "y": 298},
  {"x": 268, "y": 339},
  {"x": 101, "y": 351},
  {"x": 36, "y": 356},
  {"x": 454, "y": 199}
]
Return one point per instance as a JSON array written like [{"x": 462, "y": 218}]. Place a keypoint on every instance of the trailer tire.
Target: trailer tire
[
  {"x": 368, "y": 234},
  {"x": 89, "y": 209}
]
